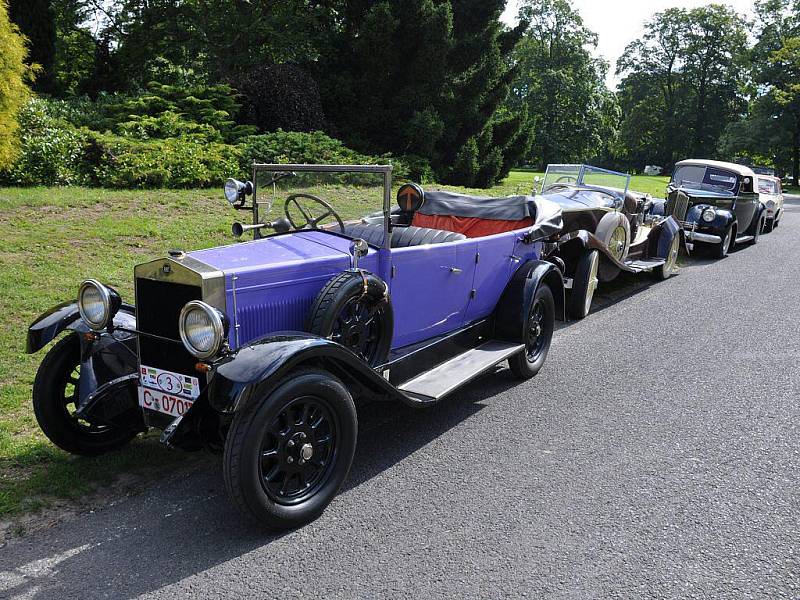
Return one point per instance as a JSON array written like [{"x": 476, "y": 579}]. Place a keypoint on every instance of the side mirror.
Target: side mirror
[
  {"x": 536, "y": 181},
  {"x": 358, "y": 250}
]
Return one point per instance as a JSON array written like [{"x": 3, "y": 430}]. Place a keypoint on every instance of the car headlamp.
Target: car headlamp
[
  {"x": 709, "y": 215},
  {"x": 97, "y": 304},
  {"x": 235, "y": 190},
  {"x": 202, "y": 329}
]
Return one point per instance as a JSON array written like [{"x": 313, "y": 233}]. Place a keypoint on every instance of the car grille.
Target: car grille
[
  {"x": 677, "y": 206},
  {"x": 158, "y": 307}
]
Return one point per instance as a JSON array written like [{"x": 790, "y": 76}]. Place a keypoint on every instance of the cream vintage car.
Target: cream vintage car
[{"x": 770, "y": 195}]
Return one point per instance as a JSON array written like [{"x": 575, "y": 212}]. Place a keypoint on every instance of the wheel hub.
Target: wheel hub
[{"x": 298, "y": 449}]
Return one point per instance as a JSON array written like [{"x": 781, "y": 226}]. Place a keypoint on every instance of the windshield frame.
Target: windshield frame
[
  {"x": 385, "y": 170},
  {"x": 580, "y": 172}
]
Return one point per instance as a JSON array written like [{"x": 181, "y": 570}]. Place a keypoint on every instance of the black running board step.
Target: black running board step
[
  {"x": 446, "y": 377},
  {"x": 745, "y": 238},
  {"x": 646, "y": 264}
]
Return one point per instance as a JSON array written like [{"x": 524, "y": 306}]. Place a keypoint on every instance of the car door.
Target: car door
[
  {"x": 495, "y": 263},
  {"x": 430, "y": 289}
]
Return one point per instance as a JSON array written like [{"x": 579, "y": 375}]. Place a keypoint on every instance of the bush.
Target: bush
[
  {"x": 315, "y": 148},
  {"x": 13, "y": 91},
  {"x": 51, "y": 149},
  {"x": 174, "y": 163}
]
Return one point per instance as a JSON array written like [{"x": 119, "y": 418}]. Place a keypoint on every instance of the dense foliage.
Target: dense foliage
[
  {"x": 442, "y": 88},
  {"x": 13, "y": 91}
]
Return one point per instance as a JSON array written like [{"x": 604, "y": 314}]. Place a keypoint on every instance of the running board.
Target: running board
[
  {"x": 645, "y": 264},
  {"x": 443, "y": 379},
  {"x": 745, "y": 238}
]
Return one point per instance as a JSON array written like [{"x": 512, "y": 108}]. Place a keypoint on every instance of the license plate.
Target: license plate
[
  {"x": 174, "y": 384},
  {"x": 163, "y": 402}
]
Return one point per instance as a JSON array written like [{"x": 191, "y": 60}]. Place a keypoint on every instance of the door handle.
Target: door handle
[{"x": 454, "y": 270}]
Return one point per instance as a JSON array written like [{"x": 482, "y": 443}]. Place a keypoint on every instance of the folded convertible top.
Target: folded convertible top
[{"x": 546, "y": 215}]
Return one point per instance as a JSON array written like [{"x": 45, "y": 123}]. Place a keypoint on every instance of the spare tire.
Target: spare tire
[
  {"x": 614, "y": 231},
  {"x": 354, "y": 310}
]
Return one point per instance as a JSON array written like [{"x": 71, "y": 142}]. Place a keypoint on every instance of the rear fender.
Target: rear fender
[
  {"x": 511, "y": 311},
  {"x": 259, "y": 365},
  {"x": 760, "y": 210}
]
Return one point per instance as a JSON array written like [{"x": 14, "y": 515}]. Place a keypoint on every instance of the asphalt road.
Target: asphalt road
[{"x": 656, "y": 455}]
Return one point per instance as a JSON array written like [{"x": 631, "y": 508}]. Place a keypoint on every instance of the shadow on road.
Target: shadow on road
[{"x": 186, "y": 525}]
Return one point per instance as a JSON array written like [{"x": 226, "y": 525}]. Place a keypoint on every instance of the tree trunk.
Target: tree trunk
[{"x": 796, "y": 150}]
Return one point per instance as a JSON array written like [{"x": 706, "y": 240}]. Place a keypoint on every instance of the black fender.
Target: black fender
[
  {"x": 760, "y": 210},
  {"x": 255, "y": 366},
  {"x": 724, "y": 219},
  {"x": 511, "y": 311},
  {"x": 105, "y": 357},
  {"x": 661, "y": 237}
]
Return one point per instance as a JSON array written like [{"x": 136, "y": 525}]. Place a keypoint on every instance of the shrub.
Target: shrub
[
  {"x": 314, "y": 148},
  {"x": 51, "y": 149},
  {"x": 13, "y": 91},
  {"x": 175, "y": 162}
]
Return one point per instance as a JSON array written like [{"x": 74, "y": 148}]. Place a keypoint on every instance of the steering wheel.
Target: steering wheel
[
  {"x": 310, "y": 220},
  {"x": 567, "y": 179}
]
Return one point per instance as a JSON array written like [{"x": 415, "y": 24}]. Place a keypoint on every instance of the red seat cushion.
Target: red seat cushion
[{"x": 471, "y": 227}]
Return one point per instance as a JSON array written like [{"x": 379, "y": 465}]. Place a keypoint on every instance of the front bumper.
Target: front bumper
[{"x": 692, "y": 235}]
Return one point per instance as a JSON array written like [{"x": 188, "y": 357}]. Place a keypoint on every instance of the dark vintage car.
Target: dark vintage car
[
  {"x": 717, "y": 203},
  {"x": 260, "y": 350},
  {"x": 607, "y": 229}
]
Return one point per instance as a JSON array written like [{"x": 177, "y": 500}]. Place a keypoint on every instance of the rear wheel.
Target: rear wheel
[
  {"x": 289, "y": 450},
  {"x": 759, "y": 228},
  {"x": 584, "y": 284},
  {"x": 55, "y": 402},
  {"x": 538, "y": 333}
]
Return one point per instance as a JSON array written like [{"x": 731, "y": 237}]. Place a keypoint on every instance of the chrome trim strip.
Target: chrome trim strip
[
  {"x": 695, "y": 236},
  {"x": 235, "y": 311}
]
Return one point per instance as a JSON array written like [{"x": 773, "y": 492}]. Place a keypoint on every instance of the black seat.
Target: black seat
[{"x": 402, "y": 237}]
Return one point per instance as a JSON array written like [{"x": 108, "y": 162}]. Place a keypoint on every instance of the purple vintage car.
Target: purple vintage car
[{"x": 260, "y": 350}]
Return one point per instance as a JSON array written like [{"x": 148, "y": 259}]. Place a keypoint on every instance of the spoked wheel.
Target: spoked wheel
[
  {"x": 538, "y": 335},
  {"x": 55, "y": 403},
  {"x": 666, "y": 270},
  {"x": 298, "y": 450},
  {"x": 353, "y": 309},
  {"x": 584, "y": 284},
  {"x": 289, "y": 450}
]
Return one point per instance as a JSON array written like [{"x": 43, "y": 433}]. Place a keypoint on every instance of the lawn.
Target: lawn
[{"x": 56, "y": 237}]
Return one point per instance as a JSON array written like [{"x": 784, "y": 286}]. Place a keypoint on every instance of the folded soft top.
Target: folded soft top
[{"x": 546, "y": 214}]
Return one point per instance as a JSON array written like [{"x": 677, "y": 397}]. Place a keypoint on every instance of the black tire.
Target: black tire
[
  {"x": 55, "y": 390},
  {"x": 757, "y": 233},
  {"x": 769, "y": 225},
  {"x": 358, "y": 318},
  {"x": 529, "y": 361},
  {"x": 269, "y": 430},
  {"x": 584, "y": 284},
  {"x": 721, "y": 250}
]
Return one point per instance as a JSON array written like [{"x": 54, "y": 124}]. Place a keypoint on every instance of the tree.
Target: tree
[
  {"x": 787, "y": 94},
  {"x": 424, "y": 78},
  {"x": 36, "y": 21},
  {"x": 570, "y": 114},
  {"x": 683, "y": 83},
  {"x": 13, "y": 90}
]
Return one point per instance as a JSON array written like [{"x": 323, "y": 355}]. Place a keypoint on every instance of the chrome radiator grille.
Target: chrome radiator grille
[{"x": 677, "y": 206}]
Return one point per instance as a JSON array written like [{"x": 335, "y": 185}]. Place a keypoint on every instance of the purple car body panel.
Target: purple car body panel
[{"x": 271, "y": 283}]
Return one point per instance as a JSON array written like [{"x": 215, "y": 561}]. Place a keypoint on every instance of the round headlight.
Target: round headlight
[
  {"x": 95, "y": 304},
  {"x": 202, "y": 329},
  {"x": 709, "y": 215},
  {"x": 233, "y": 190}
]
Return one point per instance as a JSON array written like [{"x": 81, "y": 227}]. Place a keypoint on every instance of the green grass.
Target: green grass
[{"x": 53, "y": 238}]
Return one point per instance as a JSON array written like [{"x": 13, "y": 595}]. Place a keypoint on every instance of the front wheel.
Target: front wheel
[
  {"x": 722, "y": 249},
  {"x": 55, "y": 402},
  {"x": 289, "y": 450},
  {"x": 584, "y": 285},
  {"x": 538, "y": 335},
  {"x": 666, "y": 270}
]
